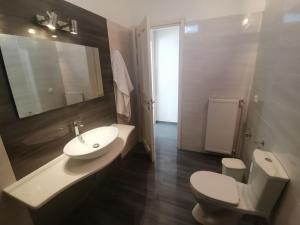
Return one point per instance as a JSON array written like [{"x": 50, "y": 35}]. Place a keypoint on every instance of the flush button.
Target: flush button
[{"x": 96, "y": 145}]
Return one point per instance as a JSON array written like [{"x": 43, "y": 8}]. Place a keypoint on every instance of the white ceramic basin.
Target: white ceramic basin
[{"x": 92, "y": 144}]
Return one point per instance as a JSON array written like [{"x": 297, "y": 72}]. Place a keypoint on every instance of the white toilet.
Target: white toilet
[{"x": 222, "y": 200}]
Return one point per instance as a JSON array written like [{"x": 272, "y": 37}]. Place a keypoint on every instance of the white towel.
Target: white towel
[{"x": 123, "y": 85}]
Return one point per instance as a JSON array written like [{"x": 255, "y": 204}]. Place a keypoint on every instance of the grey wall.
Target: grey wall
[
  {"x": 218, "y": 61},
  {"x": 276, "y": 117}
]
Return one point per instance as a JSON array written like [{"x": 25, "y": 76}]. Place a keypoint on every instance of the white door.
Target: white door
[{"x": 145, "y": 85}]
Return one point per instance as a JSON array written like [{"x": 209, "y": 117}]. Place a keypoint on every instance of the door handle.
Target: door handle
[{"x": 149, "y": 102}]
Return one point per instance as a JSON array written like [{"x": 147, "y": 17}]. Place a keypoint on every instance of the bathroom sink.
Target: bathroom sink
[{"x": 91, "y": 144}]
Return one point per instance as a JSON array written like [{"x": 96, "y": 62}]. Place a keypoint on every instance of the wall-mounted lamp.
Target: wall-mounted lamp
[
  {"x": 70, "y": 26},
  {"x": 50, "y": 20},
  {"x": 74, "y": 27}
]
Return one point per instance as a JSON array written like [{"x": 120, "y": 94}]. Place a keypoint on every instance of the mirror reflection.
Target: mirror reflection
[{"x": 46, "y": 75}]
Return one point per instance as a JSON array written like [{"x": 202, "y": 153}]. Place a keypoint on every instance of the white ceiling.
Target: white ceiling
[{"x": 130, "y": 12}]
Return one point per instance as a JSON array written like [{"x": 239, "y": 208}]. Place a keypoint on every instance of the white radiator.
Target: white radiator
[{"x": 222, "y": 125}]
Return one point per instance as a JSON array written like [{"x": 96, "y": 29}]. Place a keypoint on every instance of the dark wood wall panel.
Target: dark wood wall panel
[{"x": 33, "y": 141}]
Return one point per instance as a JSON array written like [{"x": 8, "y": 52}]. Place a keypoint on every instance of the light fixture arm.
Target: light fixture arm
[{"x": 48, "y": 13}]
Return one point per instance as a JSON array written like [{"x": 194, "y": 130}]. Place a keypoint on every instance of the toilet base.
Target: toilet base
[
  {"x": 198, "y": 214},
  {"x": 220, "y": 217}
]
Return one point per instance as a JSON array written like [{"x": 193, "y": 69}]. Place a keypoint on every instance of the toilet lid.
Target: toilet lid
[{"x": 215, "y": 187}]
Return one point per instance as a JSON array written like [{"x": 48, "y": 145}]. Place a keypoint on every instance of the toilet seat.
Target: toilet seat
[{"x": 215, "y": 187}]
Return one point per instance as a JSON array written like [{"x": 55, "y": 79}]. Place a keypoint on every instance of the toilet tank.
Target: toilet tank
[{"x": 267, "y": 179}]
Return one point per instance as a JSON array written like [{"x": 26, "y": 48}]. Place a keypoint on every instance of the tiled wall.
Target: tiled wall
[
  {"x": 218, "y": 61},
  {"x": 275, "y": 118}
]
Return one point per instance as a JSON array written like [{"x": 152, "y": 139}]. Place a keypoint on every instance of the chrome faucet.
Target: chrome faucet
[{"x": 78, "y": 124}]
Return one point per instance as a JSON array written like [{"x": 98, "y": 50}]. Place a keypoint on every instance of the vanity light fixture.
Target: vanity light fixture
[{"x": 50, "y": 20}]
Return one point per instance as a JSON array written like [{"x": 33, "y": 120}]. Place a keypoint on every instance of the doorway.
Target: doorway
[{"x": 165, "y": 58}]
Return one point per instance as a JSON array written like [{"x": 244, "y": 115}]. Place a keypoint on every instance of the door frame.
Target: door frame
[{"x": 180, "y": 23}]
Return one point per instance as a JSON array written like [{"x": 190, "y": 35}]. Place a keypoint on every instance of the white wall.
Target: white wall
[
  {"x": 166, "y": 65},
  {"x": 218, "y": 61},
  {"x": 131, "y": 12}
]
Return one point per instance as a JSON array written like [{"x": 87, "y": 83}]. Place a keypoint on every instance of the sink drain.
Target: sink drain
[{"x": 96, "y": 145}]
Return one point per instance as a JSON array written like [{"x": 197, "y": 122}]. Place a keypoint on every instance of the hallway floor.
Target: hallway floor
[{"x": 138, "y": 192}]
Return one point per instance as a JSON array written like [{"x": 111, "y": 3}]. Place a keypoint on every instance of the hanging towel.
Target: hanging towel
[{"x": 122, "y": 84}]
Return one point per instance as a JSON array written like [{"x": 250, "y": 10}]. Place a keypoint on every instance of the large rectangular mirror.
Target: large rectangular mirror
[{"x": 45, "y": 75}]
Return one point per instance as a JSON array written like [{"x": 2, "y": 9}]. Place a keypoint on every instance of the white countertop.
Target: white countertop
[{"x": 45, "y": 183}]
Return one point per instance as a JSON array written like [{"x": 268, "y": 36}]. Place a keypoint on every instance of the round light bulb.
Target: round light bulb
[
  {"x": 51, "y": 27},
  {"x": 245, "y": 21},
  {"x": 31, "y": 31}
]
